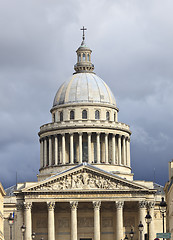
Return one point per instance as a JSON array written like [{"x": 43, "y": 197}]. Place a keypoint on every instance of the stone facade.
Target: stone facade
[
  {"x": 85, "y": 187},
  {"x": 2, "y": 194},
  {"x": 169, "y": 197}
]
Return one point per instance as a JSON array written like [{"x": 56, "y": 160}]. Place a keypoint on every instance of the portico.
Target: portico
[
  {"x": 101, "y": 217},
  {"x": 84, "y": 198}
]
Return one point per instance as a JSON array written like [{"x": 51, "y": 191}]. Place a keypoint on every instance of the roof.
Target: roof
[{"x": 84, "y": 88}]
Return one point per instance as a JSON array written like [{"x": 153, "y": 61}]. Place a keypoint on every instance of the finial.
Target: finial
[{"x": 83, "y": 29}]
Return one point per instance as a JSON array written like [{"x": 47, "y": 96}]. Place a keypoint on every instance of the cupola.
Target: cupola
[{"x": 83, "y": 57}]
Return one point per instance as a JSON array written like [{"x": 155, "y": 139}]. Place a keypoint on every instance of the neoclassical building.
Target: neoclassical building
[{"x": 85, "y": 187}]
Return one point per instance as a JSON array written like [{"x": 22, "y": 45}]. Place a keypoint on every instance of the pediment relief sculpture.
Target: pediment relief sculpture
[{"x": 84, "y": 180}]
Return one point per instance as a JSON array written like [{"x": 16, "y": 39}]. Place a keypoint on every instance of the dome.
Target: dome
[{"x": 84, "y": 88}]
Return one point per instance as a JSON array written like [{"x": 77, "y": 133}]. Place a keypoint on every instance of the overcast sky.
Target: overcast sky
[{"x": 132, "y": 44}]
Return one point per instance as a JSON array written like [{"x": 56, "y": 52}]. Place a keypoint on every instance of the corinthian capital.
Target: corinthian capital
[
  {"x": 142, "y": 204},
  {"x": 74, "y": 205},
  {"x": 96, "y": 204},
  {"x": 19, "y": 206},
  {"x": 150, "y": 205},
  {"x": 50, "y": 205},
  {"x": 119, "y": 204},
  {"x": 27, "y": 205}
]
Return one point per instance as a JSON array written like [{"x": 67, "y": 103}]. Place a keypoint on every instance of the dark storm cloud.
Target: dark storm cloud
[{"x": 132, "y": 53}]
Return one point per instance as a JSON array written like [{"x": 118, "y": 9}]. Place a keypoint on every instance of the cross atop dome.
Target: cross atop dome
[{"x": 83, "y": 29}]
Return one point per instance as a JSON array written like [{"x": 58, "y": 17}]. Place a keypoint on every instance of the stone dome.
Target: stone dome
[{"x": 84, "y": 88}]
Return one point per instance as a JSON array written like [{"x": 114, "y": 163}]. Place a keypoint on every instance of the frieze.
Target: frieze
[{"x": 84, "y": 180}]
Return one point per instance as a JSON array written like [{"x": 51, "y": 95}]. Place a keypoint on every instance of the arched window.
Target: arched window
[
  {"x": 88, "y": 57},
  {"x": 61, "y": 116},
  {"x": 79, "y": 57},
  {"x": 107, "y": 116},
  {"x": 71, "y": 114},
  {"x": 84, "y": 114},
  {"x": 97, "y": 114},
  {"x": 84, "y": 57}
]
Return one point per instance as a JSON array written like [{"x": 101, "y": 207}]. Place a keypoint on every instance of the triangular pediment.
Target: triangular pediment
[{"x": 84, "y": 177}]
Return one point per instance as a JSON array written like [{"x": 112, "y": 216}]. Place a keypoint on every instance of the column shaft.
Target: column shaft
[
  {"x": 41, "y": 153},
  {"x": 151, "y": 226},
  {"x": 71, "y": 149},
  {"x": 19, "y": 221},
  {"x": 51, "y": 221},
  {"x": 128, "y": 152},
  {"x": 142, "y": 214},
  {"x": 27, "y": 220},
  {"x": 56, "y": 150},
  {"x": 97, "y": 220},
  {"x": 113, "y": 149},
  {"x": 119, "y": 220},
  {"x": 119, "y": 150},
  {"x": 50, "y": 151},
  {"x": 123, "y": 151},
  {"x": 106, "y": 149},
  {"x": 80, "y": 147},
  {"x": 63, "y": 148},
  {"x": 45, "y": 152},
  {"x": 74, "y": 220},
  {"x": 98, "y": 147},
  {"x": 89, "y": 147}
]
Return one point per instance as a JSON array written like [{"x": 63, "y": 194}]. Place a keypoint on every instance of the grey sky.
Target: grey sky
[{"x": 132, "y": 52}]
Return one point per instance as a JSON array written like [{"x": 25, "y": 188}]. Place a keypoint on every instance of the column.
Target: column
[
  {"x": 56, "y": 150},
  {"x": 128, "y": 152},
  {"x": 19, "y": 221},
  {"x": 71, "y": 149},
  {"x": 102, "y": 150},
  {"x": 89, "y": 147},
  {"x": 74, "y": 220},
  {"x": 45, "y": 152},
  {"x": 50, "y": 151},
  {"x": 51, "y": 220},
  {"x": 142, "y": 214},
  {"x": 123, "y": 151},
  {"x": 27, "y": 220},
  {"x": 80, "y": 147},
  {"x": 63, "y": 148},
  {"x": 106, "y": 148},
  {"x": 119, "y": 150},
  {"x": 98, "y": 147},
  {"x": 96, "y": 205},
  {"x": 152, "y": 234},
  {"x": 119, "y": 220},
  {"x": 41, "y": 153},
  {"x": 113, "y": 148}
]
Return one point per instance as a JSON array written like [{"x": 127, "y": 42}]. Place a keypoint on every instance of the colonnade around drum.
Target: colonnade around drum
[{"x": 91, "y": 147}]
